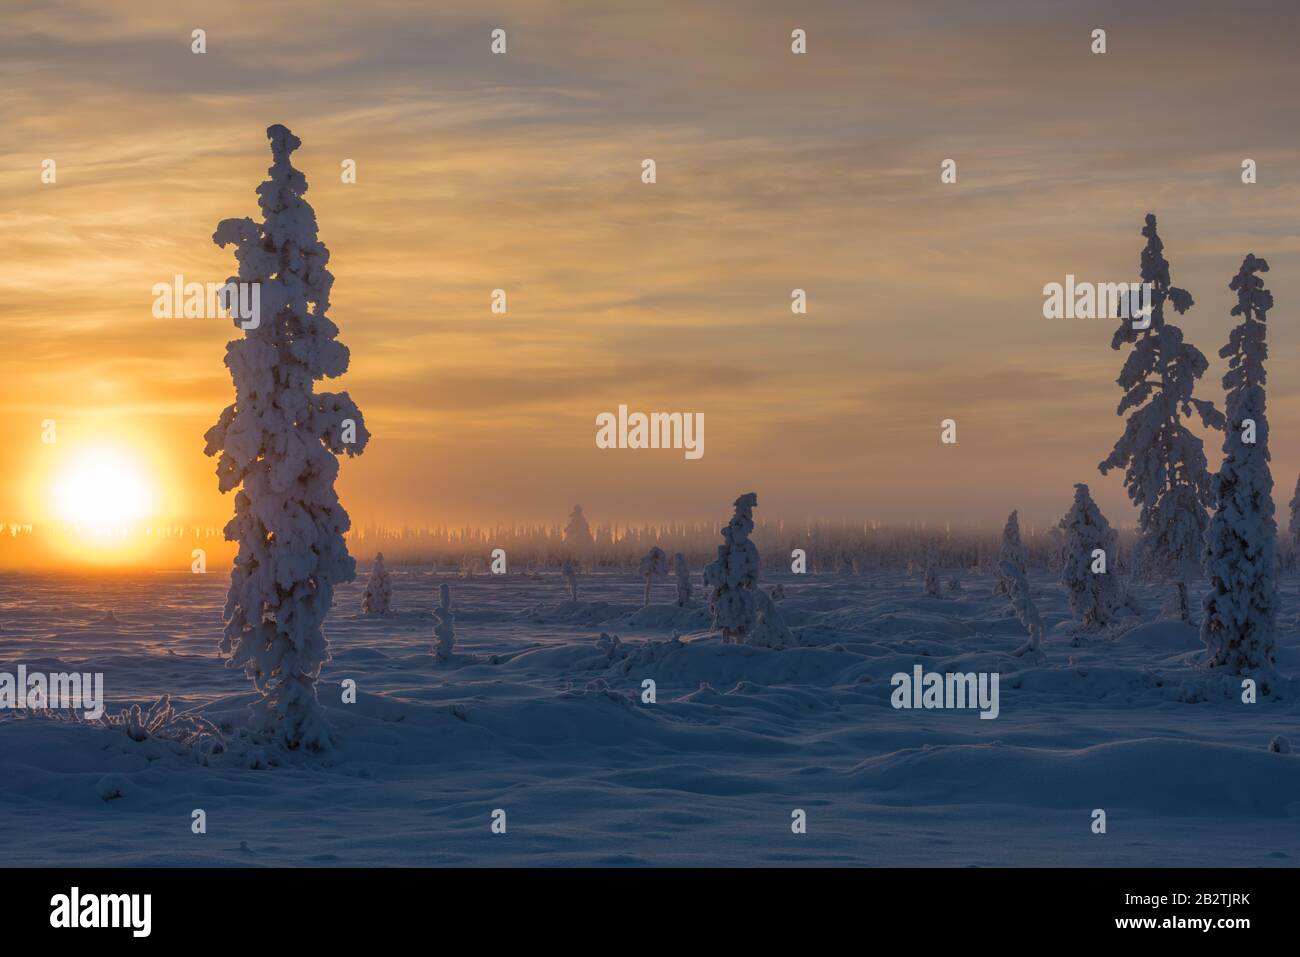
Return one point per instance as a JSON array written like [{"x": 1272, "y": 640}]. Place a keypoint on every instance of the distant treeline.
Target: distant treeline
[
  {"x": 833, "y": 548},
  {"x": 830, "y": 547}
]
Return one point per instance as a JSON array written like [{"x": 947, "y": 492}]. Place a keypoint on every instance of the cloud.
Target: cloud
[{"x": 776, "y": 172}]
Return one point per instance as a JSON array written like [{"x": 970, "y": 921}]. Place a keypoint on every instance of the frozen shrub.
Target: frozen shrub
[
  {"x": 444, "y": 628},
  {"x": 570, "y": 574},
  {"x": 611, "y": 646},
  {"x": 931, "y": 573},
  {"x": 682, "y": 571},
  {"x": 161, "y": 721},
  {"x": 654, "y": 563}
]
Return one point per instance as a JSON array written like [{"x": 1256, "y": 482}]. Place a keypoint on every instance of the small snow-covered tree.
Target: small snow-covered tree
[
  {"x": 570, "y": 574},
  {"x": 682, "y": 571},
  {"x": 578, "y": 540},
  {"x": 611, "y": 646},
  {"x": 743, "y": 612},
  {"x": 769, "y": 629},
  {"x": 1165, "y": 471},
  {"x": 444, "y": 628},
  {"x": 654, "y": 563},
  {"x": 1094, "y": 594},
  {"x": 1240, "y": 623},
  {"x": 278, "y": 444},
  {"x": 377, "y": 599},
  {"x": 931, "y": 573},
  {"x": 1011, "y": 551},
  {"x": 733, "y": 576},
  {"x": 1023, "y": 605}
]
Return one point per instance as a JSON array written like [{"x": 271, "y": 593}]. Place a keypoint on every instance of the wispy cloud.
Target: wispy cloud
[{"x": 775, "y": 172}]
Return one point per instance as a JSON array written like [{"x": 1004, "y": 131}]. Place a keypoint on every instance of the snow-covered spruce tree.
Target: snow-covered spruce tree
[
  {"x": 1095, "y": 595},
  {"x": 1294, "y": 526},
  {"x": 578, "y": 540},
  {"x": 377, "y": 599},
  {"x": 1240, "y": 623},
  {"x": 1011, "y": 551},
  {"x": 570, "y": 574},
  {"x": 741, "y": 610},
  {"x": 682, "y": 572},
  {"x": 732, "y": 578},
  {"x": 278, "y": 444},
  {"x": 1164, "y": 464},
  {"x": 931, "y": 572},
  {"x": 444, "y": 628},
  {"x": 654, "y": 563},
  {"x": 1023, "y": 605}
]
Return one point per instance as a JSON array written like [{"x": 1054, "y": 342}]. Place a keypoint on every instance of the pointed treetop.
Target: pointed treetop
[
  {"x": 1155, "y": 270},
  {"x": 283, "y": 142},
  {"x": 1253, "y": 300}
]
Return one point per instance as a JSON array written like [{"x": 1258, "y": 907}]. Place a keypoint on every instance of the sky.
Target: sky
[{"x": 522, "y": 172}]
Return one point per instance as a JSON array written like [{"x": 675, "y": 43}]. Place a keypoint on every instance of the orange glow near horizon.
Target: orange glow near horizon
[{"x": 95, "y": 500}]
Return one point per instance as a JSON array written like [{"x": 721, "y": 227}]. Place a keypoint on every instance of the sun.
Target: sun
[{"x": 101, "y": 487}]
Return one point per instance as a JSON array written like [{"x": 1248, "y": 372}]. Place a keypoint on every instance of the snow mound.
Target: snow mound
[
  {"x": 666, "y": 617},
  {"x": 1155, "y": 775},
  {"x": 1166, "y": 637},
  {"x": 578, "y": 613}
]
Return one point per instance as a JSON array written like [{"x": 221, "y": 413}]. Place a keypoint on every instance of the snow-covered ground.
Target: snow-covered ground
[{"x": 531, "y": 716}]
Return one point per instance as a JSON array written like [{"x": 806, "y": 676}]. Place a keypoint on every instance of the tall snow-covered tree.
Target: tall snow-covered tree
[
  {"x": 744, "y": 613},
  {"x": 1095, "y": 595},
  {"x": 1294, "y": 526},
  {"x": 444, "y": 628},
  {"x": 654, "y": 563},
  {"x": 279, "y": 443},
  {"x": 1165, "y": 471},
  {"x": 1011, "y": 551},
  {"x": 1240, "y": 624},
  {"x": 682, "y": 572},
  {"x": 377, "y": 599},
  {"x": 1022, "y": 603}
]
